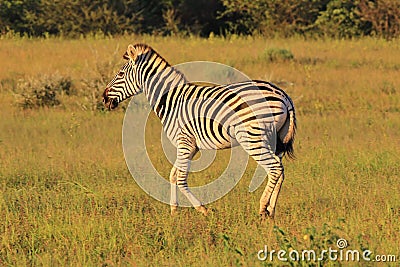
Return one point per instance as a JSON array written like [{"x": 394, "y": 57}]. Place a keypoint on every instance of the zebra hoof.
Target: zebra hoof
[
  {"x": 266, "y": 215},
  {"x": 174, "y": 210},
  {"x": 271, "y": 213},
  {"x": 202, "y": 209}
]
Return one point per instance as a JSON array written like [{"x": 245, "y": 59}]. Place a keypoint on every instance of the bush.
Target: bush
[
  {"x": 43, "y": 92},
  {"x": 277, "y": 55},
  {"x": 333, "y": 18},
  {"x": 340, "y": 20}
]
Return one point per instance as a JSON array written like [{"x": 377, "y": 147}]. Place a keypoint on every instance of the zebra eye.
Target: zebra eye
[{"x": 121, "y": 74}]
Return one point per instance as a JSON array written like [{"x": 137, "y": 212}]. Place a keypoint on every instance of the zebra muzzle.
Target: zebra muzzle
[{"x": 109, "y": 103}]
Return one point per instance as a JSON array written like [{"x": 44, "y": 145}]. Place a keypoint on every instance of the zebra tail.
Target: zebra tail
[{"x": 290, "y": 135}]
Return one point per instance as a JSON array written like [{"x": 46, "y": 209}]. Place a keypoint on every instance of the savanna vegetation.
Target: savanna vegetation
[
  {"x": 67, "y": 197},
  {"x": 316, "y": 18}
]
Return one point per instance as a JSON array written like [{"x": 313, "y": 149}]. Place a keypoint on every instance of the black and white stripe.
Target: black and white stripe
[{"x": 257, "y": 115}]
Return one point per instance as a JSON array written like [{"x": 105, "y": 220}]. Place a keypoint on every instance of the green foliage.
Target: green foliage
[
  {"x": 244, "y": 16},
  {"x": 199, "y": 17},
  {"x": 12, "y": 15},
  {"x": 382, "y": 16},
  {"x": 291, "y": 17},
  {"x": 332, "y": 18},
  {"x": 271, "y": 17},
  {"x": 75, "y": 18},
  {"x": 341, "y": 20}
]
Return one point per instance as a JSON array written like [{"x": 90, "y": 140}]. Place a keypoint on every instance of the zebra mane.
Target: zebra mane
[{"x": 142, "y": 48}]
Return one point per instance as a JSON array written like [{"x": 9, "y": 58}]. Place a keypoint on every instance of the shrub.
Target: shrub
[
  {"x": 340, "y": 20},
  {"x": 277, "y": 55},
  {"x": 43, "y": 92}
]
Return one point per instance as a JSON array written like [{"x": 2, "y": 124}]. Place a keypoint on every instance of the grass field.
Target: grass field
[{"x": 67, "y": 198}]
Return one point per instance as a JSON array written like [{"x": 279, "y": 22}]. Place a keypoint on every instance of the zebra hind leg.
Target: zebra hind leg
[
  {"x": 270, "y": 195},
  {"x": 256, "y": 141},
  {"x": 274, "y": 197}
]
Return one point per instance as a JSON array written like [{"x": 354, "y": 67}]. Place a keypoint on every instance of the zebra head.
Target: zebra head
[{"x": 125, "y": 83}]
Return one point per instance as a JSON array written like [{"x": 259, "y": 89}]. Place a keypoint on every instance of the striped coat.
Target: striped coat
[{"x": 257, "y": 115}]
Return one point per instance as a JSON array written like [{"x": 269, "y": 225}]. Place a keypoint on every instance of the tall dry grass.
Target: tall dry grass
[{"x": 68, "y": 199}]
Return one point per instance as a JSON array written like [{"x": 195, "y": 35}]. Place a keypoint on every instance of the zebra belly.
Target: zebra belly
[{"x": 210, "y": 134}]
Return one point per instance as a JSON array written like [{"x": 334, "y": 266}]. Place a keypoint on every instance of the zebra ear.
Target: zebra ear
[
  {"x": 125, "y": 56},
  {"x": 130, "y": 53}
]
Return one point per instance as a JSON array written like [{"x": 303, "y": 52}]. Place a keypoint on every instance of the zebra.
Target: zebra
[{"x": 196, "y": 117}]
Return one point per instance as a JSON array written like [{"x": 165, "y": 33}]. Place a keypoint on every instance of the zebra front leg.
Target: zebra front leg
[
  {"x": 174, "y": 193},
  {"x": 186, "y": 150},
  {"x": 183, "y": 187}
]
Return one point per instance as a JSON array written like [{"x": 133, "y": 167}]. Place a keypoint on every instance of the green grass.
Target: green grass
[{"x": 67, "y": 197}]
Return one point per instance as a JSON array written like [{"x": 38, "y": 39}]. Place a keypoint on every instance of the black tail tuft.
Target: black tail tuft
[{"x": 287, "y": 148}]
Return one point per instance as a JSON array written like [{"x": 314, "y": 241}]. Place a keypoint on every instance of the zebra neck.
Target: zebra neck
[{"x": 159, "y": 85}]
